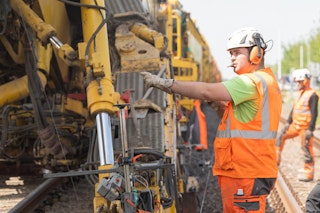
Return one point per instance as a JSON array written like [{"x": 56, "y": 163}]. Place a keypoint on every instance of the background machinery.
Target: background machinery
[{"x": 72, "y": 97}]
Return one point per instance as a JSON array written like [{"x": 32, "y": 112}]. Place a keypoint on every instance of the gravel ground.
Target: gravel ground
[
  {"x": 14, "y": 189},
  {"x": 76, "y": 197},
  {"x": 292, "y": 162}
]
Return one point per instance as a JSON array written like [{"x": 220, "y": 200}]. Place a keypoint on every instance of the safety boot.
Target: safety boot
[
  {"x": 307, "y": 173},
  {"x": 305, "y": 178}
]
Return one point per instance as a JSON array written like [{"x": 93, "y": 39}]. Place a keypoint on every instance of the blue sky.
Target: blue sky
[{"x": 283, "y": 21}]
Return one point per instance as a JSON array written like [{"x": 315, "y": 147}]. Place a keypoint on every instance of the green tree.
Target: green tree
[
  {"x": 291, "y": 52},
  {"x": 291, "y": 57}
]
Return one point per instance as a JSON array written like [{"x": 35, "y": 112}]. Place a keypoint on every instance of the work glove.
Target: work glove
[
  {"x": 155, "y": 81},
  {"x": 308, "y": 134}
]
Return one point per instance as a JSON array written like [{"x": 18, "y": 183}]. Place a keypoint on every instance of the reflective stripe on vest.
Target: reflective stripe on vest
[{"x": 265, "y": 133}]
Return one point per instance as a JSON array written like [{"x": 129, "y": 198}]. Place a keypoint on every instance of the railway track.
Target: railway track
[
  {"x": 33, "y": 200},
  {"x": 27, "y": 194},
  {"x": 289, "y": 195}
]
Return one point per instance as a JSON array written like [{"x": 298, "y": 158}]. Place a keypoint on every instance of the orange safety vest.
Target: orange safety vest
[
  {"x": 247, "y": 150},
  {"x": 301, "y": 114}
]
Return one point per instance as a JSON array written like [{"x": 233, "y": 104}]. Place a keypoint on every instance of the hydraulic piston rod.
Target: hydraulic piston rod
[{"x": 104, "y": 139}]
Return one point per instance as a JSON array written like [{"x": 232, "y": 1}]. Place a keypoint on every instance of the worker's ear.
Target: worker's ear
[{"x": 255, "y": 57}]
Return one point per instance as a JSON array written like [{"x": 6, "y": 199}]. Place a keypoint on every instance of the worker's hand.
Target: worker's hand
[
  {"x": 308, "y": 134},
  {"x": 155, "y": 81}
]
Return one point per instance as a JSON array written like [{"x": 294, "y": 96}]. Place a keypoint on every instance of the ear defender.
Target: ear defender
[{"x": 256, "y": 55}]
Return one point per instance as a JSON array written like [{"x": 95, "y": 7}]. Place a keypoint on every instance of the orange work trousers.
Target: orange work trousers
[
  {"x": 307, "y": 148},
  {"x": 239, "y": 195}
]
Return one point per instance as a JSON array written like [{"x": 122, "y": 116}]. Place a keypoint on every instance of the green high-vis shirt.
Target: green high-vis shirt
[{"x": 244, "y": 96}]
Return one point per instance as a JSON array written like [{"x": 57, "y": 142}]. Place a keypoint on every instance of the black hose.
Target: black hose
[{"x": 5, "y": 126}]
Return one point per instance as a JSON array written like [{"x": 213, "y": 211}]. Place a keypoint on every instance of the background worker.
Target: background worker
[
  {"x": 245, "y": 154},
  {"x": 301, "y": 122},
  {"x": 202, "y": 127}
]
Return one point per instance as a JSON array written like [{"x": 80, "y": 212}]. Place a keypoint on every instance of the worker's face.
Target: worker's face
[
  {"x": 302, "y": 85},
  {"x": 240, "y": 60}
]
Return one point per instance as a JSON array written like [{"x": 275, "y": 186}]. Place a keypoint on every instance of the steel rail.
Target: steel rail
[
  {"x": 288, "y": 200},
  {"x": 32, "y": 200}
]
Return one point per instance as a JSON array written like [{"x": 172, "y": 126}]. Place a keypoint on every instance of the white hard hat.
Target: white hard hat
[
  {"x": 301, "y": 74},
  {"x": 246, "y": 37}
]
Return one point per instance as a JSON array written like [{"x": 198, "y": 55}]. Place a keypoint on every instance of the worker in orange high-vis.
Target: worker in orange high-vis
[
  {"x": 301, "y": 122},
  {"x": 202, "y": 127},
  {"x": 244, "y": 148},
  {"x": 197, "y": 128}
]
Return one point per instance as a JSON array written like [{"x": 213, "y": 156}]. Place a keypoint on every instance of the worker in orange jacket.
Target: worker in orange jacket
[
  {"x": 245, "y": 153},
  {"x": 301, "y": 122},
  {"x": 197, "y": 134},
  {"x": 202, "y": 127}
]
